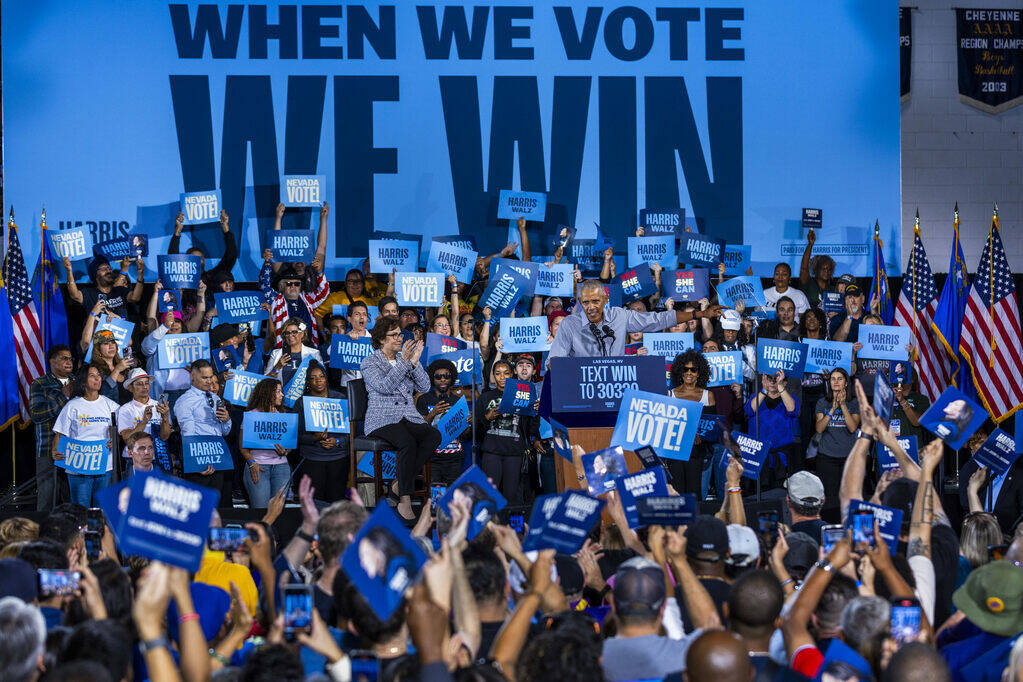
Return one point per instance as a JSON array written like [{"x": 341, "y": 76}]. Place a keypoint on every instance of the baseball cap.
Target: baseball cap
[
  {"x": 992, "y": 598},
  {"x": 570, "y": 575},
  {"x": 731, "y": 319},
  {"x": 95, "y": 264},
  {"x": 743, "y": 546},
  {"x": 639, "y": 587},
  {"x": 555, "y": 313},
  {"x": 805, "y": 489},
  {"x": 846, "y": 279},
  {"x": 707, "y": 535},
  {"x": 803, "y": 552},
  {"x": 853, "y": 290},
  {"x": 525, "y": 357},
  {"x": 136, "y": 373},
  {"x": 17, "y": 579}
]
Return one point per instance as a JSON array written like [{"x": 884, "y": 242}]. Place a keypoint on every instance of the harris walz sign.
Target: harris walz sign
[
  {"x": 905, "y": 51},
  {"x": 989, "y": 43}
]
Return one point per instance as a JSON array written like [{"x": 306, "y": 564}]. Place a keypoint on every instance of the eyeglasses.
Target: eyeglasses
[
  {"x": 396, "y": 332},
  {"x": 442, "y": 375},
  {"x": 292, "y": 332}
]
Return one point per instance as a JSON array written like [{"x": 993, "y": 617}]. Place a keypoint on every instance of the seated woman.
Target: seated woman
[{"x": 393, "y": 375}]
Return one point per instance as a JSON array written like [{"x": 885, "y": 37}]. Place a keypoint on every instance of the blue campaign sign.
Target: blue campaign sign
[
  {"x": 303, "y": 191},
  {"x": 528, "y": 205},
  {"x": 527, "y": 269},
  {"x": 637, "y": 283},
  {"x": 387, "y": 464},
  {"x": 753, "y": 453},
  {"x": 899, "y": 373},
  {"x": 812, "y": 218},
  {"x": 438, "y": 344},
  {"x": 238, "y": 389},
  {"x": 668, "y": 344},
  {"x": 524, "y": 334},
  {"x": 886, "y": 458},
  {"x": 453, "y": 422},
  {"x": 255, "y": 363},
  {"x": 737, "y": 259},
  {"x": 452, "y": 259},
  {"x": 519, "y": 397},
  {"x": 419, "y": 289},
  {"x": 295, "y": 387},
  {"x": 725, "y": 368},
  {"x": 889, "y": 521},
  {"x": 560, "y": 440},
  {"x": 226, "y": 358},
  {"x": 686, "y": 285},
  {"x": 89, "y": 457},
  {"x": 824, "y": 356},
  {"x": 291, "y": 246},
  {"x": 775, "y": 356},
  {"x": 588, "y": 385},
  {"x": 119, "y": 327},
  {"x": 743, "y": 288},
  {"x": 169, "y": 300},
  {"x": 569, "y": 523},
  {"x": 179, "y": 272},
  {"x": 883, "y": 342},
  {"x": 70, "y": 244},
  {"x": 709, "y": 429},
  {"x": 264, "y": 430},
  {"x": 130, "y": 246},
  {"x": 201, "y": 207},
  {"x": 348, "y": 353},
  {"x": 239, "y": 306},
  {"x": 389, "y": 255},
  {"x": 504, "y": 291},
  {"x": 464, "y": 241},
  {"x": 198, "y": 453},
  {"x": 884, "y": 396},
  {"x": 698, "y": 249},
  {"x": 167, "y": 519},
  {"x": 832, "y": 302},
  {"x": 328, "y": 415},
  {"x": 663, "y": 221},
  {"x": 543, "y": 508},
  {"x": 953, "y": 417},
  {"x": 656, "y": 510},
  {"x": 467, "y": 363},
  {"x": 586, "y": 255},
  {"x": 666, "y": 424},
  {"x": 555, "y": 280},
  {"x": 563, "y": 238},
  {"x": 998, "y": 452},
  {"x": 114, "y": 506},
  {"x": 474, "y": 486},
  {"x": 602, "y": 468},
  {"x": 657, "y": 249},
  {"x": 383, "y": 561},
  {"x": 180, "y": 350},
  {"x": 640, "y": 484}
]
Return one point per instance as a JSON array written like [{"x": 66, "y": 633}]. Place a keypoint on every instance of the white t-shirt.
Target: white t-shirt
[
  {"x": 83, "y": 419},
  {"x": 129, "y": 416},
  {"x": 797, "y": 296}
]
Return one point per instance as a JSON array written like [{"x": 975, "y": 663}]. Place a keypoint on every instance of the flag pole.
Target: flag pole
[
  {"x": 7, "y": 251},
  {"x": 44, "y": 265},
  {"x": 912, "y": 274},
  {"x": 991, "y": 282}
]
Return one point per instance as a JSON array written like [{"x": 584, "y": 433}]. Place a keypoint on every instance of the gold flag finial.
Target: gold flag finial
[
  {"x": 42, "y": 223},
  {"x": 995, "y": 210},
  {"x": 10, "y": 223},
  {"x": 877, "y": 228}
]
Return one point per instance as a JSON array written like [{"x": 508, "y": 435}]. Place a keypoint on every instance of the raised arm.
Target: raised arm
[
  {"x": 512, "y": 637},
  {"x": 230, "y": 256},
  {"x": 200, "y": 309},
  {"x": 72, "y": 287},
  {"x": 135, "y": 295},
  {"x": 699, "y": 605},
  {"x": 804, "y": 264},
  {"x": 278, "y": 215},
  {"x": 795, "y": 626},
  {"x": 321, "y": 236},
  {"x": 527, "y": 252}
]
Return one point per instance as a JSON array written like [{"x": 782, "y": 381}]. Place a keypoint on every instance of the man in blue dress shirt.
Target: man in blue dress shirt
[{"x": 201, "y": 412}]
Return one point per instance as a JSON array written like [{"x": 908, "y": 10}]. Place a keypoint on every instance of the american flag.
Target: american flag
[
  {"x": 915, "y": 309},
  {"x": 26, "y": 322},
  {"x": 991, "y": 336}
]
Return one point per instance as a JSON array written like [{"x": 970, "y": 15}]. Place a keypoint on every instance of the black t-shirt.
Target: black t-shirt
[
  {"x": 117, "y": 299},
  {"x": 425, "y": 403},
  {"x": 945, "y": 556},
  {"x": 854, "y": 327},
  {"x": 811, "y": 528},
  {"x": 717, "y": 588},
  {"x": 488, "y": 633},
  {"x": 324, "y": 603}
]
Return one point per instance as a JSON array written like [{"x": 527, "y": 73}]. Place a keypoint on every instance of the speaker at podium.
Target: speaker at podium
[{"x": 583, "y": 394}]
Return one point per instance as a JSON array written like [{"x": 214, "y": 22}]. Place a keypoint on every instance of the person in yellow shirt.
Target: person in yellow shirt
[{"x": 357, "y": 288}]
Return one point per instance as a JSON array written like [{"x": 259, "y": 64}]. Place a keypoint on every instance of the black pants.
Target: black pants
[
  {"x": 686, "y": 476},
  {"x": 504, "y": 471},
  {"x": 446, "y": 468},
  {"x": 215, "y": 481},
  {"x": 829, "y": 469},
  {"x": 51, "y": 484},
  {"x": 329, "y": 479},
  {"x": 414, "y": 445}
]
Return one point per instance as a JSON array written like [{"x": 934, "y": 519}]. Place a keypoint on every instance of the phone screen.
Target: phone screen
[
  {"x": 830, "y": 535},
  {"x": 57, "y": 581},
  {"x": 905, "y": 620},
  {"x": 93, "y": 544},
  {"x": 365, "y": 666},
  {"x": 517, "y": 522},
  {"x": 94, "y": 520},
  {"x": 229, "y": 539},
  {"x": 767, "y": 522},
  {"x": 298, "y": 609},
  {"x": 437, "y": 491},
  {"x": 863, "y": 527}
]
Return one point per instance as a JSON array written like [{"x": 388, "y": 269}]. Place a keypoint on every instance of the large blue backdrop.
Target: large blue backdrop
[{"x": 743, "y": 113}]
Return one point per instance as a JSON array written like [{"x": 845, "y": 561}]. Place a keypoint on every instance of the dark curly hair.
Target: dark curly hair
[
  {"x": 822, "y": 319},
  {"x": 690, "y": 356}
]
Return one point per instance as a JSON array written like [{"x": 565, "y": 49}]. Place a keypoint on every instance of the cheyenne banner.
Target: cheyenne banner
[
  {"x": 989, "y": 44},
  {"x": 419, "y": 114}
]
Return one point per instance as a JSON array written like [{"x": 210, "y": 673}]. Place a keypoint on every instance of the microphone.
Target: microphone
[
  {"x": 600, "y": 339},
  {"x": 608, "y": 332}
]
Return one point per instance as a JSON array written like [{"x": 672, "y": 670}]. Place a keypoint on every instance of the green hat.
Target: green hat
[{"x": 992, "y": 598}]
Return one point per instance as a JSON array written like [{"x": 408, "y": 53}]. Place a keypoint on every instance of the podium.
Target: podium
[{"x": 583, "y": 396}]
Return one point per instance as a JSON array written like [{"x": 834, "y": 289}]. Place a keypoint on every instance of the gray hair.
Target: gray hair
[
  {"x": 338, "y": 524},
  {"x": 865, "y": 619},
  {"x": 591, "y": 284},
  {"x": 22, "y": 637}
]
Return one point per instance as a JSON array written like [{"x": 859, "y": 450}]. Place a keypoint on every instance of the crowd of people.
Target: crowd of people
[{"x": 725, "y": 597}]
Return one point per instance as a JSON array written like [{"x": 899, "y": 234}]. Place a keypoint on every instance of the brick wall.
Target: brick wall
[{"x": 954, "y": 152}]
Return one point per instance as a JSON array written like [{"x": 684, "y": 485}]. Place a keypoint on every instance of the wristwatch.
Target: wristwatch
[
  {"x": 824, "y": 565},
  {"x": 860, "y": 434},
  {"x": 145, "y": 646}
]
